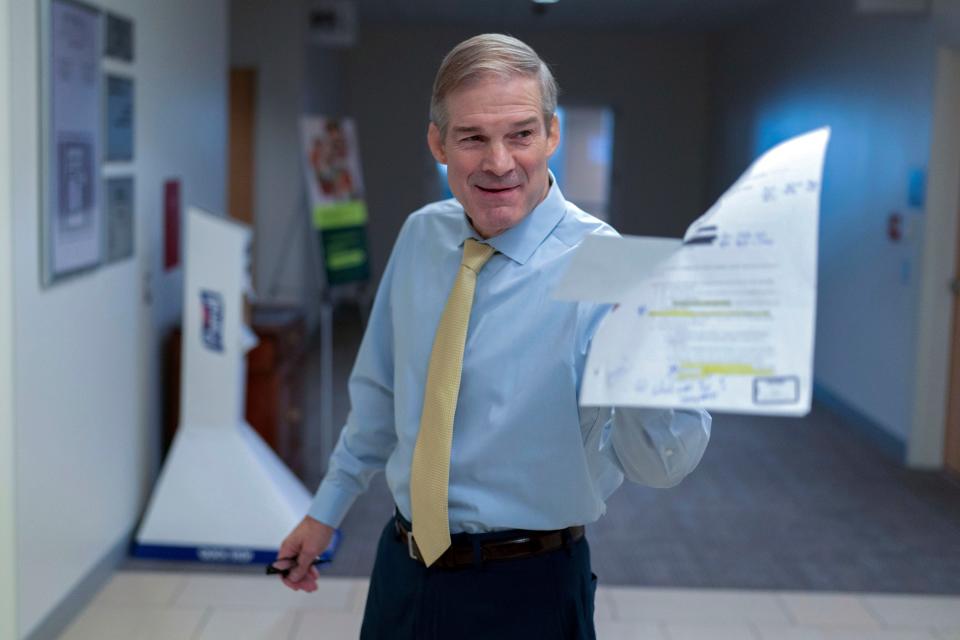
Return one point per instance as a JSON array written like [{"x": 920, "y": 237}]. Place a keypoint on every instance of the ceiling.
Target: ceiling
[{"x": 592, "y": 14}]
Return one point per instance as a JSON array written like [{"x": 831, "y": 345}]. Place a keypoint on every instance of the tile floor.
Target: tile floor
[{"x": 139, "y": 605}]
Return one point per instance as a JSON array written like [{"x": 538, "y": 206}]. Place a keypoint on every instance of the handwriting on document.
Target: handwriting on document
[{"x": 725, "y": 320}]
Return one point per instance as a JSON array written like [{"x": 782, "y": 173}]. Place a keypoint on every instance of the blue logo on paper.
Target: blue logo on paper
[{"x": 212, "y": 320}]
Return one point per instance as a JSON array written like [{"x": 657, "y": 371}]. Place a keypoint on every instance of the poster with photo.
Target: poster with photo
[
  {"x": 331, "y": 162},
  {"x": 73, "y": 228}
]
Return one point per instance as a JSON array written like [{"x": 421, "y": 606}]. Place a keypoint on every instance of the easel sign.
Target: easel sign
[{"x": 331, "y": 163}]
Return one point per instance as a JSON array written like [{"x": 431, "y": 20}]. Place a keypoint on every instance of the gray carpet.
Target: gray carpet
[{"x": 787, "y": 504}]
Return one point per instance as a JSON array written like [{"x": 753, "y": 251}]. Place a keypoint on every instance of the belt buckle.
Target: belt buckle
[{"x": 411, "y": 548}]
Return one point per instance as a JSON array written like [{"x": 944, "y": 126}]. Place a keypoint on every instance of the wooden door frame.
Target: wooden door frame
[
  {"x": 934, "y": 415},
  {"x": 241, "y": 169}
]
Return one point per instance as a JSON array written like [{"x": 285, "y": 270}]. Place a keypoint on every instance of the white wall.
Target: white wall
[
  {"x": 293, "y": 78},
  {"x": 871, "y": 79},
  {"x": 87, "y": 375},
  {"x": 8, "y": 593},
  {"x": 586, "y": 174},
  {"x": 269, "y": 37}
]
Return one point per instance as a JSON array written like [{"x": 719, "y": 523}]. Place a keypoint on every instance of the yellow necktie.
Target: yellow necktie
[{"x": 430, "y": 472}]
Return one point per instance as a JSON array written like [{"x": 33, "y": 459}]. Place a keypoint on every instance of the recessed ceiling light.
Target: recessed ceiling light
[{"x": 545, "y": 1}]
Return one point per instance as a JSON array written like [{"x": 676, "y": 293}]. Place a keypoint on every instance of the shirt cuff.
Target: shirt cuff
[{"x": 331, "y": 503}]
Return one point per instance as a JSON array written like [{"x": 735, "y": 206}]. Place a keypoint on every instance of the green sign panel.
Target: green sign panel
[{"x": 345, "y": 254}]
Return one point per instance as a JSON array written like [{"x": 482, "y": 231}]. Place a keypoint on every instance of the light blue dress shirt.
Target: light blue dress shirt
[{"x": 525, "y": 455}]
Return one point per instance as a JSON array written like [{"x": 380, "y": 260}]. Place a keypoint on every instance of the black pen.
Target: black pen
[{"x": 272, "y": 569}]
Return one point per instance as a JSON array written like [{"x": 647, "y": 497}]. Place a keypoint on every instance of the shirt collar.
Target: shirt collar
[{"x": 520, "y": 241}]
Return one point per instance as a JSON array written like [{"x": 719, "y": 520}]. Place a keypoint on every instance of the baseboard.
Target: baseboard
[
  {"x": 889, "y": 444},
  {"x": 208, "y": 554},
  {"x": 76, "y": 600}
]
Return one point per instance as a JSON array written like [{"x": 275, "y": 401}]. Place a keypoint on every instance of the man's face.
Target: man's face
[{"x": 496, "y": 150}]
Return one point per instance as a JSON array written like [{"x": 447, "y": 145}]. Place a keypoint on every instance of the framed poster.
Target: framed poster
[
  {"x": 118, "y": 42},
  {"x": 119, "y": 118},
  {"x": 72, "y": 226},
  {"x": 119, "y": 206}
]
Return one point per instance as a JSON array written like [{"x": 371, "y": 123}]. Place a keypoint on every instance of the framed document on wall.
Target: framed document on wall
[
  {"x": 119, "y": 205},
  {"x": 72, "y": 225},
  {"x": 118, "y": 101},
  {"x": 118, "y": 41}
]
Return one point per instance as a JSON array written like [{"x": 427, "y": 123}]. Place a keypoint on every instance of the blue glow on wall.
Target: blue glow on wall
[
  {"x": 558, "y": 159},
  {"x": 917, "y": 189},
  {"x": 444, "y": 183}
]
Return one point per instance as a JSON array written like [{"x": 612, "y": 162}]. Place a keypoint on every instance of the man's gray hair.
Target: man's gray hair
[{"x": 485, "y": 55}]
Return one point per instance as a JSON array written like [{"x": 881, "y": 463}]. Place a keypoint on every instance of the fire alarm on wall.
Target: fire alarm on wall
[{"x": 895, "y": 230}]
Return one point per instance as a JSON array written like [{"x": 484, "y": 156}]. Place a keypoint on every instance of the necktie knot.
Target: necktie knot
[{"x": 476, "y": 254}]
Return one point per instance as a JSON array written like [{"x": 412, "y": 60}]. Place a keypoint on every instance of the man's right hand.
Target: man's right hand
[{"x": 308, "y": 540}]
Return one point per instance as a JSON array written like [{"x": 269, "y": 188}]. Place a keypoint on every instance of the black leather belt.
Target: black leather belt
[{"x": 521, "y": 544}]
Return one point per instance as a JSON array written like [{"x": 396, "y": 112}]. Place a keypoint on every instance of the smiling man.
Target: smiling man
[
  {"x": 465, "y": 387},
  {"x": 496, "y": 149}
]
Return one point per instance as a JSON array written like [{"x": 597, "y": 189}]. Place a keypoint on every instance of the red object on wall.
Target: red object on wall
[
  {"x": 895, "y": 227},
  {"x": 171, "y": 224}
]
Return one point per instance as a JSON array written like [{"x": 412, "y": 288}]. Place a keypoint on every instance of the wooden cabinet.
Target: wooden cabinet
[{"x": 275, "y": 382}]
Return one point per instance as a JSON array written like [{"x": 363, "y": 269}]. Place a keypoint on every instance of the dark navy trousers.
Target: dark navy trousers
[{"x": 548, "y": 596}]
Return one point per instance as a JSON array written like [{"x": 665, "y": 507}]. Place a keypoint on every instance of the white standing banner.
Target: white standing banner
[
  {"x": 723, "y": 320},
  {"x": 223, "y": 494}
]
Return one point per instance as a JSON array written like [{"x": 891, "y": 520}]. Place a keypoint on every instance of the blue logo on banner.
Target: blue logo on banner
[{"x": 212, "y": 314}]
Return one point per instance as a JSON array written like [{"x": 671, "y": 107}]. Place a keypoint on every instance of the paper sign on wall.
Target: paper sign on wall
[{"x": 331, "y": 163}]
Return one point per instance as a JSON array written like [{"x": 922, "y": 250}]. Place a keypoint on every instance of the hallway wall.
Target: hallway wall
[
  {"x": 870, "y": 77},
  {"x": 87, "y": 376},
  {"x": 269, "y": 37},
  {"x": 656, "y": 85},
  {"x": 691, "y": 112}
]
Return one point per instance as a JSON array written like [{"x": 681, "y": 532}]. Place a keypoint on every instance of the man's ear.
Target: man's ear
[
  {"x": 553, "y": 138},
  {"x": 435, "y": 142}
]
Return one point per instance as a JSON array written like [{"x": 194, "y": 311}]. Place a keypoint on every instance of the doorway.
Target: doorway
[{"x": 935, "y": 436}]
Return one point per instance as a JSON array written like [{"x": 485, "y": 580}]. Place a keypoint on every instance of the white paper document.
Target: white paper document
[
  {"x": 604, "y": 268},
  {"x": 725, "y": 319}
]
